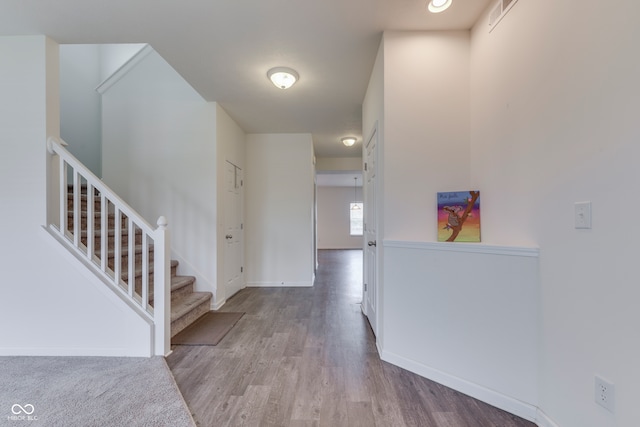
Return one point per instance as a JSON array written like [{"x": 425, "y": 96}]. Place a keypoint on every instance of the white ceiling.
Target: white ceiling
[{"x": 224, "y": 48}]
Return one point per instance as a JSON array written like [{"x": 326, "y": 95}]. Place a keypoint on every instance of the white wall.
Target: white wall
[
  {"x": 467, "y": 319},
  {"x": 554, "y": 121},
  {"x": 279, "y": 210},
  {"x": 339, "y": 164},
  {"x": 418, "y": 87},
  {"x": 83, "y": 68},
  {"x": 159, "y": 155},
  {"x": 114, "y": 56},
  {"x": 334, "y": 220},
  {"x": 50, "y": 308},
  {"x": 80, "y": 103},
  {"x": 231, "y": 146},
  {"x": 426, "y": 133}
]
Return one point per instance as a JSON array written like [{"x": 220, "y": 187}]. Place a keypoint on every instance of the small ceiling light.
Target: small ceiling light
[
  {"x": 348, "y": 141},
  {"x": 282, "y": 77},
  {"x": 437, "y": 6}
]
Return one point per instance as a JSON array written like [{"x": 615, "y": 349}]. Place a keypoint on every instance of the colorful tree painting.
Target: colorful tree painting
[{"x": 459, "y": 216}]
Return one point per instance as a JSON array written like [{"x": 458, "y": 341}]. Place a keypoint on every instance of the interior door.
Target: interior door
[
  {"x": 233, "y": 230},
  {"x": 370, "y": 288}
]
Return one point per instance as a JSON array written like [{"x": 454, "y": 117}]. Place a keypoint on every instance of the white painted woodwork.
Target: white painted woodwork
[
  {"x": 161, "y": 288},
  {"x": 111, "y": 204},
  {"x": 230, "y": 146},
  {"x": 233, "y": 230},
  {"x": 371, "y": 237},
  {"x": 465, "y": 318}
]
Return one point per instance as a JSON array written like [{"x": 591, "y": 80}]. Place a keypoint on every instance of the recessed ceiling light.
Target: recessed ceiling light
[
  {"x": 282, "y": 77},
  {"x": 348, "y": 141},
  {"x": 437, "y": 6}
]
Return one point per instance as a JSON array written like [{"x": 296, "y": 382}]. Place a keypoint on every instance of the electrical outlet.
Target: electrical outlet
[
  {"x": 582, "y": 215},
  {"x": 604, "y": 393}
]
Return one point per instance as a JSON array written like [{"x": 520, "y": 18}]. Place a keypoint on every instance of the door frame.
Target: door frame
[
  {"x": 376, "y": 321},
  {"x": 238, "y": 175}
]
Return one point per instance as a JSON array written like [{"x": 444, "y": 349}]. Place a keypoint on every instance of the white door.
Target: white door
[
  {"x": 233, "y": 230},
  {"x": 370, "y": 289}
]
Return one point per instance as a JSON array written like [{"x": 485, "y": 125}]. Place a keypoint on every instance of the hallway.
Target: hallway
[{"x": 307, "y": 357}]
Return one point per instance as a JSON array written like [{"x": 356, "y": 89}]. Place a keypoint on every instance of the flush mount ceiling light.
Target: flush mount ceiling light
[
  {"x": 437, "y": 6},
  {"x": 348, "y": 141},
  {"x": 282, "y": 77}
]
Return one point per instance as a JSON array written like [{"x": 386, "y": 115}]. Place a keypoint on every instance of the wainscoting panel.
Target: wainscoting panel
[{"x": 465, "y": 315}]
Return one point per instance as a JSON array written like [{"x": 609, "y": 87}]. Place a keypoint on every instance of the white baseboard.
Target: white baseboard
[
  {"x": 217, "y": 305},
  {"x": 543, "y": 420},
  {"x": 74, "y": 351},
  {"x": 279, "y": 284},
  {"x": 493, "y": 398}
]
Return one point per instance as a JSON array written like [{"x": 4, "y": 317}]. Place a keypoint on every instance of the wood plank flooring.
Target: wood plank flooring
[{"x": 306, "y": 357}]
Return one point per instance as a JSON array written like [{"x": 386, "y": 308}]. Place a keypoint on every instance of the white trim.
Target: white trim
[
  {"x": 217, "y": 305},
  {"x": 478, "y": 248},
  {"x": 279, "y": 284},
  {"x": 124, "y": 69},
  {"x": 502, "y": 14},
  {"x": 501, "y": 401},
  {"x": 543, "y": 420},
  {"x": 72, "y": 351}
]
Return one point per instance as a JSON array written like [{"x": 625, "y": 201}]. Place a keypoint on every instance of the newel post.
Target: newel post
[
  {"x": 56, "y": 191},
  {"x": 161, "y": 289}
]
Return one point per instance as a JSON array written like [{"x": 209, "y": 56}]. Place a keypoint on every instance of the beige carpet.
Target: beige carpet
[{"x": 208, "y": 329}]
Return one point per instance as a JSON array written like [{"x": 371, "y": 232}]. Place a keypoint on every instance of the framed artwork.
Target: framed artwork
[{"x": 459, "y": 216}]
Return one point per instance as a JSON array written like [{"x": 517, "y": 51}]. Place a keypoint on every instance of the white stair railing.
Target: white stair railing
[{"x": 120, "y": 247}]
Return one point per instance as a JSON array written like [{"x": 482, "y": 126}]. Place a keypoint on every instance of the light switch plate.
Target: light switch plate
[{"x": 583, "y": 215}]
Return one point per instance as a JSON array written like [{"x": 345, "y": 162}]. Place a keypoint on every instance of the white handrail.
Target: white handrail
[{"x": 113, "y": 260}]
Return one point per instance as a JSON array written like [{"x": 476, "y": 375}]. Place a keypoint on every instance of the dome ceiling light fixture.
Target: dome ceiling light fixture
[
  {"x": 348, "y": 141},
  {"x": 283, "y": 77},
  {"x": 437, "y": 6}
]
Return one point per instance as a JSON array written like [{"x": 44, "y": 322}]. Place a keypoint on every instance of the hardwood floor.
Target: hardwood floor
[{"x": 307, "y": 357}]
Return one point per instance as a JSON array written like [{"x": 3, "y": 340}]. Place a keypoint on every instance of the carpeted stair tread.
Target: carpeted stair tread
[
  {"x": 184, "y": 305},
  {"x": 179, "y": 282},
  {"x": 110, "y": 232},
  {"x": 179, "y": 285},
  {"x": 138, "y": 270},
  {"x": 124, "y": 251}
]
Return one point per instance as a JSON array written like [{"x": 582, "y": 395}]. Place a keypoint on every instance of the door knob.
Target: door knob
[
  {"x": 372, "y": 243},
  {"x": 228, "y": 236}
]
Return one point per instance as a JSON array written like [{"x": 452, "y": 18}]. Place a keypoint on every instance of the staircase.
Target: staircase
[{"x": 186, "y": 305}]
